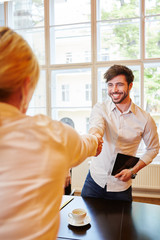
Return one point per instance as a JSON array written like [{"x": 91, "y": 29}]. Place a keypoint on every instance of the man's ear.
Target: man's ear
[{"x": 130, "y": 85}]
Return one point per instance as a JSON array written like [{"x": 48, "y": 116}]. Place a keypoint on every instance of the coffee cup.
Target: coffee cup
[{"x": 78, "y": 215}]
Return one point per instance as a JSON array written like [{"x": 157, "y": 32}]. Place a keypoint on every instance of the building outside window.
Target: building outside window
[
  {"x": 65, "y": 93},
  {"x": 88, "y": 92},
  {"x": 87, "y": 124},
  {"x": 2, "y": 14},
  {"x": 68, "y": 57}
]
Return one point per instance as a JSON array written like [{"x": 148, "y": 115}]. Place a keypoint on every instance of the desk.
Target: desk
[{"x": 112, "y": 220}]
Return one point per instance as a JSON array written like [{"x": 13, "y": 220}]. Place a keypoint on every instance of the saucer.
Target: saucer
[{"x": 86, "y": 221}]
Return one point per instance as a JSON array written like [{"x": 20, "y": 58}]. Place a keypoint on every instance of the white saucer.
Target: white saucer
[{"x": 86, "y": 221}]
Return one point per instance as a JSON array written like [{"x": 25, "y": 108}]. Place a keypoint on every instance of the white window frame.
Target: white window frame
[{"x": 94, "y": 65}]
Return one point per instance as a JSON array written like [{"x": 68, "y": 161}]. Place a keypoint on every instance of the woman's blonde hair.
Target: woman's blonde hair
[{"x": 17, "y": 62}]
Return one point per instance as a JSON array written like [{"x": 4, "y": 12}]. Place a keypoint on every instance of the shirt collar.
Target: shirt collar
[
  {"x": 130, "y": 109},
  {"x": 113, "y": 106}
]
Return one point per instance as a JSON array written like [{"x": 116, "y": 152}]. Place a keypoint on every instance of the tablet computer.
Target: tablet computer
[{"x": 123, "y": 161}]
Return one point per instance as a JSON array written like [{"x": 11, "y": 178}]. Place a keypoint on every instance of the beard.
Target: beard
[{"x": 121, "y": 99}]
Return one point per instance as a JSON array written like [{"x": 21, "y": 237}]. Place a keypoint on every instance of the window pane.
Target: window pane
[
  {"x": 88, "y": 92},
  {"x": 152, "y": 37},
  {"x": 102, "y": 86},
  {"x": 38, "y": 102},
  {"x": 152, "y": 91},
  {"x": 35, "y": 37},
  {"x": 152, "y": 7},
  {"x": 68, "y": 99},
  {"x": 70, "y": 11},
  {"x": 1, "y": 14},
  {"x": 135, "y": 92},
  {"x": 119, "y": 40},
  {"x": 65, "y": 92},
  {"x": 71, "y": 44},
  {"x": 26, "y": 14},
  {"x": 112, "y": 9}
]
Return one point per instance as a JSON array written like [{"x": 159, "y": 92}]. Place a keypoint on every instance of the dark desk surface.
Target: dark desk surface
[{"x": 112, "y": 220}]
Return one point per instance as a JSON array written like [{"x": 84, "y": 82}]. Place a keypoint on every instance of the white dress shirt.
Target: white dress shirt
[
  {"x": 122, "y": 133},
  {"x": 35, "y": 154}
]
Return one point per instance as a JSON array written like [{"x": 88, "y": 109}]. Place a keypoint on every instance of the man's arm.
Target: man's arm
[
  {"x": 151, "y": 140},
  {"x": 95, "y": 131},
  {"x": 96, "y": 121}
]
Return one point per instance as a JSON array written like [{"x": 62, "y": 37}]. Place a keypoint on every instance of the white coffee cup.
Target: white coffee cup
[{"x": 78, "y": 215}]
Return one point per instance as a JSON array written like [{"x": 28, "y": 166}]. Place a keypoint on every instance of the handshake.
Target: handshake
[{"x": 100, "y": 143}]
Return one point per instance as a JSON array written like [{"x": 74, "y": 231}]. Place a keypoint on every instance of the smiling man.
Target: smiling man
[{"x": 123, "y": 125}]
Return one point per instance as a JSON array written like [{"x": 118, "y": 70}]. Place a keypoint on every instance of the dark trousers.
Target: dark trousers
[
  {"x": 67, "y": 190},
  {"x": 92, "y": 189}
]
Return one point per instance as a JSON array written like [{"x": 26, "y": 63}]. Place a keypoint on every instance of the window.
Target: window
[
  {"x": 87, "y": 124},
  {"x": 70, "y": 30},
  {"x": 38, "y": 101},
  {"x": 27, "y": 18},
  {"x": 152, "y": 90},
  {"x": 87, "y": 56},
  {"x": 88, "y": 92},
  {"x": 104, "y": 54},
  {"x": 77, "y": 41},
  {"x": 1, "y": 14},
  {"x": 68, "y": 57},
  {"x": 118, "y": 26},
  {"x": 68, "y": 96},
  {"x": 65, "y": 93}
]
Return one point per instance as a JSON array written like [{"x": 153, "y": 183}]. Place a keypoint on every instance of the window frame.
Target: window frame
[{"x": 94, "y": 64}]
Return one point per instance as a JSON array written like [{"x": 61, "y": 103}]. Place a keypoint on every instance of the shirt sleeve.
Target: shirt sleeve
[
  {"x": 151, "y": 140},
  {"x": 79, "y": 147},
  {"x": 96, "y": 119}
]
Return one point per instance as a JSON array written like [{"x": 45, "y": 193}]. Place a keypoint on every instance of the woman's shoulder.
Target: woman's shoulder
[{"x": 54, "y": 126}]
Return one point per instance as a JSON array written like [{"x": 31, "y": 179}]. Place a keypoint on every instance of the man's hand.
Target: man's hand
[
  {"x": 100, "y": 143},
  {"x": 124, "y": 175}
]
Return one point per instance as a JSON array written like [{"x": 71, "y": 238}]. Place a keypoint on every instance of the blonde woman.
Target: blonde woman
[{"x": 35, "y": 152}]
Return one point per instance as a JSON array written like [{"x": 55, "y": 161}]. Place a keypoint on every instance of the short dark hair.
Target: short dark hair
[{"x": 116, "y": 70}]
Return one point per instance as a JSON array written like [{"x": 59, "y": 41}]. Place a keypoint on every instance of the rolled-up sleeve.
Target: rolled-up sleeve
[
  {"x": 151, "y": 140},
  {"x": 96, "y": 119}
]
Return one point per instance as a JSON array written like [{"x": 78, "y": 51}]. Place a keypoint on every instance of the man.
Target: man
[{"x": 123, "y": 125}]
